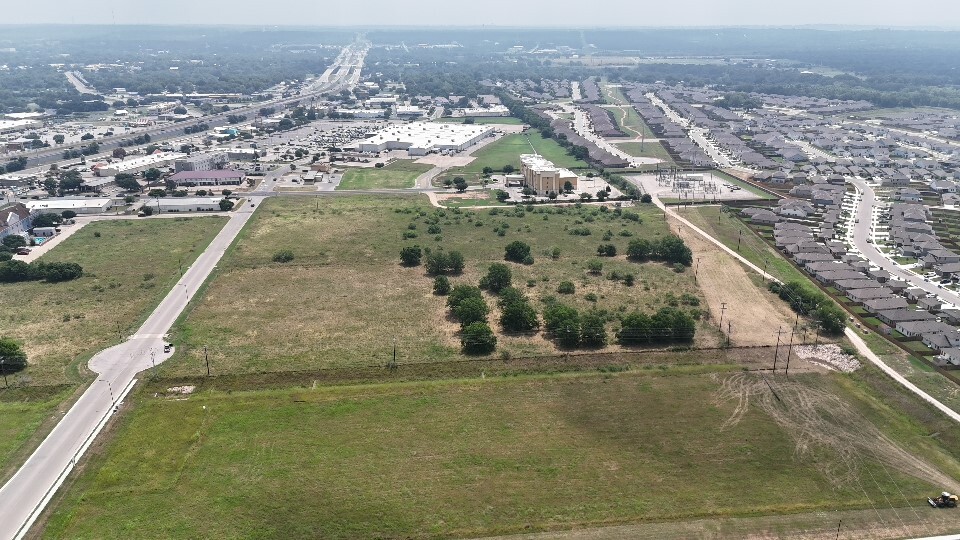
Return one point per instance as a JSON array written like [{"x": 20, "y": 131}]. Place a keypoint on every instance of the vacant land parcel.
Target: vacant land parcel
[
  {"x": 345, "y": 300},
  {"x": 400, "y": 174},
  {"x": 507, "y": 151},
  {"x": 481, "y": 457}
]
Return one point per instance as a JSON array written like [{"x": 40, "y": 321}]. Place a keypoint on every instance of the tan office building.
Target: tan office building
[{"x": 543, "y": 176}]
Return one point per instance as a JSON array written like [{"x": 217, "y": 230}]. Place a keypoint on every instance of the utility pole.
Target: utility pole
[
  {"x": 119, "y": 333},
  {"x": 729, "y": 331},
  {"x": 777, "y": 350},
  {"x": 838, "y": 529},
  {"x": 789, "y": 350},
  {"x": 739, "y": 236},
  {"x": 696, "y": 271},
  {"x": 723, "y": 307},
  {"x": 206, "y": 358},
  {"x": 3, "y": 368}
]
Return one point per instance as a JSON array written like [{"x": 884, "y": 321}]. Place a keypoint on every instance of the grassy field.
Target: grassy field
[
  {"x": 129, "y": 266},
  {"x": 345, "y": 298},
  {"x": 400, "y": 174},
  {"x": 650, "y": 149},
  {"x": 495, "y": 456},
  {"x": 23, "y": 412},
  {"x": 485, "y": 120},
  {"x": 625, "y": 115},
  {"x": 728, "y": 229},
  {"x": 507, "y": 150}
]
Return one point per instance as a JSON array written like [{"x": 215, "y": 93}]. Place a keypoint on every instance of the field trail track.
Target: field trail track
[
  {"x": 817, "y": 419},
  {"x": 754, "y": 314}
]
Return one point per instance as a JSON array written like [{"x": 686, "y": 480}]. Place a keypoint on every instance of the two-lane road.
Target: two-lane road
[
  {"x": 27, "y": 493},
  {"x": 861, "y": 235}
]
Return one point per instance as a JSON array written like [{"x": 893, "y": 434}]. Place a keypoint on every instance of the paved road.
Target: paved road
[
  {"x": 25, "y": 495},
  {"x": 865, "y": 208},
  {"x": 854, "y": 338}
]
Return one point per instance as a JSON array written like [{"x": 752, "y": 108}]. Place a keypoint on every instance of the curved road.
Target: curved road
[
  {"x": 861, "y": 233},
  {"x": 25, "y": 495}
]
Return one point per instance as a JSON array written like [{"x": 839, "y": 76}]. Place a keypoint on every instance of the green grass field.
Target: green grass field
[
  {"x": 507, "y": 151},
  {"x": 650, "y": 149},
  {"x": 128, "y": 269},
  {"x": 495, "y": 456},
  {"x": 625, "y": 115},
  {"x": 22, "y": 413},
  {"x": 345, "y": 297},
  {"x": 400, "y": 174},
  {"x": 485, "y": 120},
  {"x": 729, "y": 230}
]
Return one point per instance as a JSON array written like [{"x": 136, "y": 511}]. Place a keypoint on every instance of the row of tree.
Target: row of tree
[
  {"x": 829, "y": 317},
  {"x": 53, "y": 272}
]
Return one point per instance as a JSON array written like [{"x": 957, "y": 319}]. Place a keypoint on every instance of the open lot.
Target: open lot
[
  {"x": 129, "y": 266},
  {"x": 400, "y": 174},
  {"x": 646, "y": 149},
  {"x": 345, "y": 299},
  {"x": 507, "y": 151},
  {"x": 505, "y": 455}
]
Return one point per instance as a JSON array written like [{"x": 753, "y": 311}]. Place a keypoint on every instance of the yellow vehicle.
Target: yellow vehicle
[{"x": 945, "y": 500}]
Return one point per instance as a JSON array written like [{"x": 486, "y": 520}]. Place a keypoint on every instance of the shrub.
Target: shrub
[
  {"x": 646, "y": 198},
  {"x": 410, "y": 256},
  {"x": 607, "y": 250},
  {"x": 564, "y": 323},
  {"x": 283, "y": 256},
  {"x": 441, "y": 285},
  {"x": 595, "y": 267},
  {"x": 517, "y": 315},
  {"x": 566, "y": 287},
  {"x": 459, "y": 293},
  {"x": 516, "y": 251},
  {"x": 441, "y": 262},
  {"x": 478, "y": 338},
  {"x": 593, "y": 331}
]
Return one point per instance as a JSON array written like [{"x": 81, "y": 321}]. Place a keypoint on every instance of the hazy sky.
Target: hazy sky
[{"x": 916, "y": 13}]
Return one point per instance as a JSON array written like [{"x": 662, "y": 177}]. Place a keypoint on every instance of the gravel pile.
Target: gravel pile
[{"x": 829, "y": 356}]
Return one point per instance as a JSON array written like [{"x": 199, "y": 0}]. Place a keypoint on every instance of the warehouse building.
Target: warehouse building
[
  {"x": 82, "y": 205},
  {"x": 421, "y": 138},
  {"x": 15, "y": 126},
  {"x": 186, "y": 204},
  {"x": 543, "y": 176},
  {"x": 209, "y": 178},
  {"x": 159, "y": 160}
]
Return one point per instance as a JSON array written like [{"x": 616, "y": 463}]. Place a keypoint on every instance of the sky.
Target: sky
[{"x": 523, "y": 13}]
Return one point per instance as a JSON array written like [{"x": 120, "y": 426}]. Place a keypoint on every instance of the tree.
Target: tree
[
  {"x": 564, "y": 323},
  {"x": 501, "y": 195},
  {"x": 602, "y": 195},
  {"x": 447, "y": 182},
  {"x": 410, "y": 256},
  {"x": 68, "y": 214},
  {"x": 147, "y": 210},
  {"x": 12, "y": 357},
  {"x": 516, "y": 313},
  {"x": 47, "y": 220},
  {"x": 639, "y": 249},
  {"x": 672, "y": 250},
  {"x": 441, "y": 285},
  {"x": 70, "y": 180},
  {"x": 595, "y": 267},
  {"x": 471, "y": 310},
  {"x": 831, "y": 318},
  {"x": 516, "y": 251},
  {"x": 498, "y": 277},
  {"x": 119, "y": 153},
  {"x": 460, "y": 293},
  {"x": 179, "y": 109},
  {"x": 635, "y": 328},
  {"x": 646, "y": 198},
  {"x": 478, "y": 338},
  {"x": 460, "y": 184},
  {"x": 566, "y": 287},
  {"x": 59, "y": 138},
  {"x": 56, "y": 272},
  {"x": 226, "y": 205},
  {"x": 508, "y": 169},
  {"x": 152, "y": 174},
  {"x": 593, "y": 331},
  {"x": 86, "y": 137},
  {"x": 567, "y": 187},
  {"x": 14, "y": 241},
  {"x": 455, "y": 262},
  {"x": 487, "y": 171}
]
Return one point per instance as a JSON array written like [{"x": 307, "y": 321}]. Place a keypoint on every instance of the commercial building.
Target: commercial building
[
  {"x": 159, "y": 160},
  {"x": 82, "y": 205},
  {"x": 420, "y": 138},
  {"x": 480, "y": 112},
  {"x": 15, "y": 126},
  {"x": 543, "y": 176},
  {"x": 186, "y": 204},
  {"x": 209, "y": 178},
  {"x": 242, "y": 154},
  {"x": 201, "y": 162}
]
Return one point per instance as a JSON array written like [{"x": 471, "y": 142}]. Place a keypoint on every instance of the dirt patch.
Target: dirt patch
[
  {"x": 752, "y": 315},
  {"x": 816, "y": 420},
  {"x": 829, "y": 356}
]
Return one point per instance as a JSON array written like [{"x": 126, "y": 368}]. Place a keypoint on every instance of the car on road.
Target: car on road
[
  {"x": 167, "y": 347},
  {"x": 23, "y": 251}
]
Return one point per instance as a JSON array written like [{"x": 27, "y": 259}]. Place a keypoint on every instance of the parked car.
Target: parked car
[
  {"x": 23, "y": 251},
  {"x": 167, "y": 347}
]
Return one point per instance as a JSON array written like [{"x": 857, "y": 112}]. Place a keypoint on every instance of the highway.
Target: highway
[
  {"x": 344, "y": 73},
  {"x": 27, "y": 493},
  {"x": 866, "y": 202}
]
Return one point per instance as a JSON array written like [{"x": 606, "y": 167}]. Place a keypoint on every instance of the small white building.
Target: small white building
[
  {"x": 80, "y": 205},
  {"x": 185, "y": 204}
]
